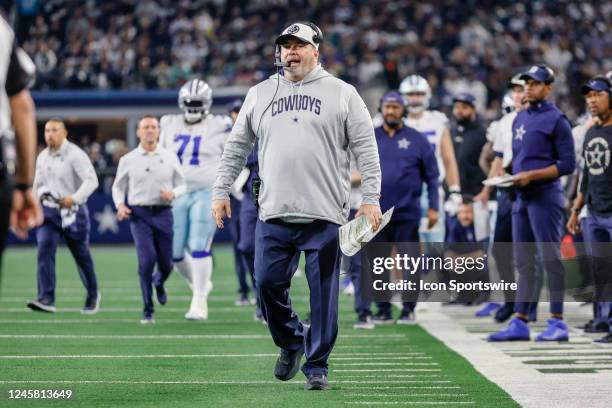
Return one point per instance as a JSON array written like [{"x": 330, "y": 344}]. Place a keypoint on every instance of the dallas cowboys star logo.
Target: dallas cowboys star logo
[
  {"x": 107, "y": 220},
  {"x": 520, "y": 132},
  {"x": 403, "y": 143},
  {"x": 295, "y": 119},
  {"x": 597, "y": 155}
]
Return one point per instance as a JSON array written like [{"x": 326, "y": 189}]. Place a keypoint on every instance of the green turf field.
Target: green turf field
[{"x": 111, "y": 360}]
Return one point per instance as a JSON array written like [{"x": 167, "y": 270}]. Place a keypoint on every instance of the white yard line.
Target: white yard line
[
  {"x": 411, "y": 395},
  {"x": 380, "y": 370},
  {"x": 146, "y": 382},
  {"x": 445, "y": 403},
  {"x": 178, "y": 336},
  {"x": 145, "y": 356},
  {"x": 383, "y": 364}
]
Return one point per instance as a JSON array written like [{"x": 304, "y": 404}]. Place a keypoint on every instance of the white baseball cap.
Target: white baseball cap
[{"x": 301, "y": 31}]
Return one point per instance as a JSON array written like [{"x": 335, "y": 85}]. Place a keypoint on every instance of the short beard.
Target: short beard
[{"x": 394, "y": 124}]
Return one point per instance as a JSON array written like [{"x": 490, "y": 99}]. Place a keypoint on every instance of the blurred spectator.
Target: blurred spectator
[{"x": 472, "y": 45}]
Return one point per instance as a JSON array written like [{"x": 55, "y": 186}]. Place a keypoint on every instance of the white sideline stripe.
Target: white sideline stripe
[
  {"x": 386, "y": 346},
  {"x": 406, "y": 395},
  {"x": 404, "y": 381},
  {"x": 401, "y": 387},
  {"x": 173, "y": 336},
  {"x": 143, "y": 382},
  {"x": 375, "y": 370},
  {"x": 401, "y": 376},
  {"x": 103, "y": 309},
  {"x": 408, "y": 402},
  {"x": 410, "y": 387},
  {"x": 130, "y": 321},
  {"x": 398, "y": 357},
  {"x": 197, "y": 382},
  {"x": 102, "y": 356},
  {"x": 384, "y": 364},
  {"x": 111, "y": 356},
  {"x": 186, "y": 297}
]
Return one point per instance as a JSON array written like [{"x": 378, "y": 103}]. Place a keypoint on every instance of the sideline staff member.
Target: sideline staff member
[
  {"x": 65, "y": 178},
  {"x": 305, "y": 120},
  {"x": 542, "y": 152},
  {"x": 152, "y": 178}
]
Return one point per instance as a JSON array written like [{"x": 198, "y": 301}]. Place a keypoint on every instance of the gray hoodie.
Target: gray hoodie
[{"x": 304, "y": 140}]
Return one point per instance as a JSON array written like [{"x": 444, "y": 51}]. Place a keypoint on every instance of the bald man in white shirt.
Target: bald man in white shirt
[{"x": 64, "y": 179}]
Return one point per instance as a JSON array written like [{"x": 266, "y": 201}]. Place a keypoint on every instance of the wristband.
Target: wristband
[{"x": 22, "y": 186}]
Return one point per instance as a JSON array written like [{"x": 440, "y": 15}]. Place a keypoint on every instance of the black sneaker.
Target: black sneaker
[
  {"x": 601, "y": 327},
  {"x": 504, "y": 313},
  {"x": 41, "y": 305},
  {"x": 604, "y": 340},
  {"x": 288, "y": 364},
  {"x": 147, "y": 318},
  {"x": 584, "y": 326},
  {"x": 364, "y": 321},
  {"x": 242, "y": 300},
  {"x": 92, "y": 304},
  {"x": 316, "y": 382},
  {"x": 382, "y": 318},
  {"x": 407, "y": 317},
  {"x": 162, "y": 296}
]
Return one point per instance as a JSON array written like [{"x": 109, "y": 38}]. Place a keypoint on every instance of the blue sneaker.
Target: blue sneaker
[
  {"x": 488, "y": 309},
  {"x": 517, "y": 330},
  {"x": 556, "y": 331}
]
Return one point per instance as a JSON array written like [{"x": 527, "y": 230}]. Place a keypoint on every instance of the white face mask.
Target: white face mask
[
  {"x": 416, "y": 104},
  {"x": 193, "y": 116}
]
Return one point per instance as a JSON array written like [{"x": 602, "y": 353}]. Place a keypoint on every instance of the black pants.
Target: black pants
[{"x": 6, "y": 201}]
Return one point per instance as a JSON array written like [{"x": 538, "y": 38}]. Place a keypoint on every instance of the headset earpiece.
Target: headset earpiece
[{"x": 317, "y": 37}]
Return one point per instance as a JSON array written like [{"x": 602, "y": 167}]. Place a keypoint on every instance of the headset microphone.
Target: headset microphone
[{"x": 278, "y": 63}]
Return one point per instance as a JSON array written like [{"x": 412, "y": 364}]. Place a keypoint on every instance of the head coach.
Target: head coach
[{"x": 306, "y": 120}]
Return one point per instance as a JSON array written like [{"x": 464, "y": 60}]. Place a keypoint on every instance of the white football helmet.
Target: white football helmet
[
  {"x": 195, "y": 99},
  {"x": 415, "y": 84},
  {"x": 516, "y": 81},
  {"x": 507, "y": 103}
]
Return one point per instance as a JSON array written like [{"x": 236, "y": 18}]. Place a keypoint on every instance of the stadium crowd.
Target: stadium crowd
[{"x": 160, "y": 44}]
